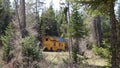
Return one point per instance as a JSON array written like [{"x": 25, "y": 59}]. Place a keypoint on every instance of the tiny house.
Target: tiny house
[{"x": 53, "y": 43}]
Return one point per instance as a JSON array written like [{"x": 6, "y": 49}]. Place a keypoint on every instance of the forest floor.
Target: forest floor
[{"x": 60, "y": 59}]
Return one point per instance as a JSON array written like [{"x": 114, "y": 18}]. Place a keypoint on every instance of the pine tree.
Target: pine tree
[
  {"x": 48, "y": 23},
  {"x": 105, "y": 7},
  {"x": 77, "y": 29},
  {"x": 7, "y": 44},
  {"x": 5, "y": 17},
  {"x": 62, "y": 24},
  {"x": 31, "y": 52}
]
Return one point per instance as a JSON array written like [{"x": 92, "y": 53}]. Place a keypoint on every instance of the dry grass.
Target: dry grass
[
  {"x": 56, "y": 57},
  {"x": 55, "y": 60}
]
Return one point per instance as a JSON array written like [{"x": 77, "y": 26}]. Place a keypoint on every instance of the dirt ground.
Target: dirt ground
[{"x": 60, "y": 59}]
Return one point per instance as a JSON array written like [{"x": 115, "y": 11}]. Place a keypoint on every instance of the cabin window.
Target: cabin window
[
  {"x": 54, "y": 43},
  {"x": 59, "y": 44},
  {"x": 46, "y": 39}
]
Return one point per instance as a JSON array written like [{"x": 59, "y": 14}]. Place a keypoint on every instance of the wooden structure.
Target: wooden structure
[{"x": 53, "y": 43}]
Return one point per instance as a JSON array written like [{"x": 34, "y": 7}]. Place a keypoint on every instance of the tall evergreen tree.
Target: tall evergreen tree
[
  {"x": 77, "y": 29},
  {"x": 7, "y": 44},
  {"x": 77, "y": 26},
  {"x": 107, "y": 6},
  {"x": 48, "y": 22},
  {"x": 5, "y": 17},
  {"x": 62, "y": 24}
]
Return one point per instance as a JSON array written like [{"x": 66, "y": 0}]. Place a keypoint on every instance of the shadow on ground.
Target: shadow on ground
[{"x": 95, "y": 66}]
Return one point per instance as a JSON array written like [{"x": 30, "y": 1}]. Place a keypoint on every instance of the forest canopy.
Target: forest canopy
[{"x": 59, "y": 33}]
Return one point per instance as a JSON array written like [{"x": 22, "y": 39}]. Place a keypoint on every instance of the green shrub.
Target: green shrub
[
  {"x": 7, "y": 45},
  {"x": 30, "y": 51},
  {"x": 65, "y": 61},
  {"x": 78, "y": 58},
  {"x": 103, "y": 52}
]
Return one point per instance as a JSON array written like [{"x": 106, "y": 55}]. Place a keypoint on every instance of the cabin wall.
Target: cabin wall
[{"x": 53, "y": 44}]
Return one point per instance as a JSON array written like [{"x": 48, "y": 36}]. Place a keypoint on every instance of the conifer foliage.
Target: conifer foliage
[
  {"x": 48, "y": 24},
  {"x": 77, "y": 29},
  {"x": 77, "y": 25},
  {"x": 5, "y": 17},
  {"x": 31, "y": 52},
  {"x": 7, "y": 44}
]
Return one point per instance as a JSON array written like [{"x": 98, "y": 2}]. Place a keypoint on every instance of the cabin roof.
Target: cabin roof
[{"x": 59, "y": 39}]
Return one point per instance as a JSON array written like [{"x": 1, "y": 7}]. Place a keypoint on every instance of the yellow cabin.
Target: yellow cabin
[{"x": 53, "y": 43}]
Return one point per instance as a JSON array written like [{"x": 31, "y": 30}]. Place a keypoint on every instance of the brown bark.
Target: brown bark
[
  {"x": 23, "y": 19},
  {"x": 114, "y": 60},
  {"x": 97, "y": 30},
  {"x": 16, "y": 11},
  {"x": 118, "y": 43}
]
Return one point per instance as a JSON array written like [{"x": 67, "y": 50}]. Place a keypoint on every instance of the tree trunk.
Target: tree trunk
[
  {"x": 97, "y": 31},
  {"x": 114, "y": 60},
  {"x": 75, "y": 49},
  {"x": 23, "y": 19},
  {"x": 16, "y": 11},
  {"x": 118, "y": 43},
  {"x": 118, "y": 38}
]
